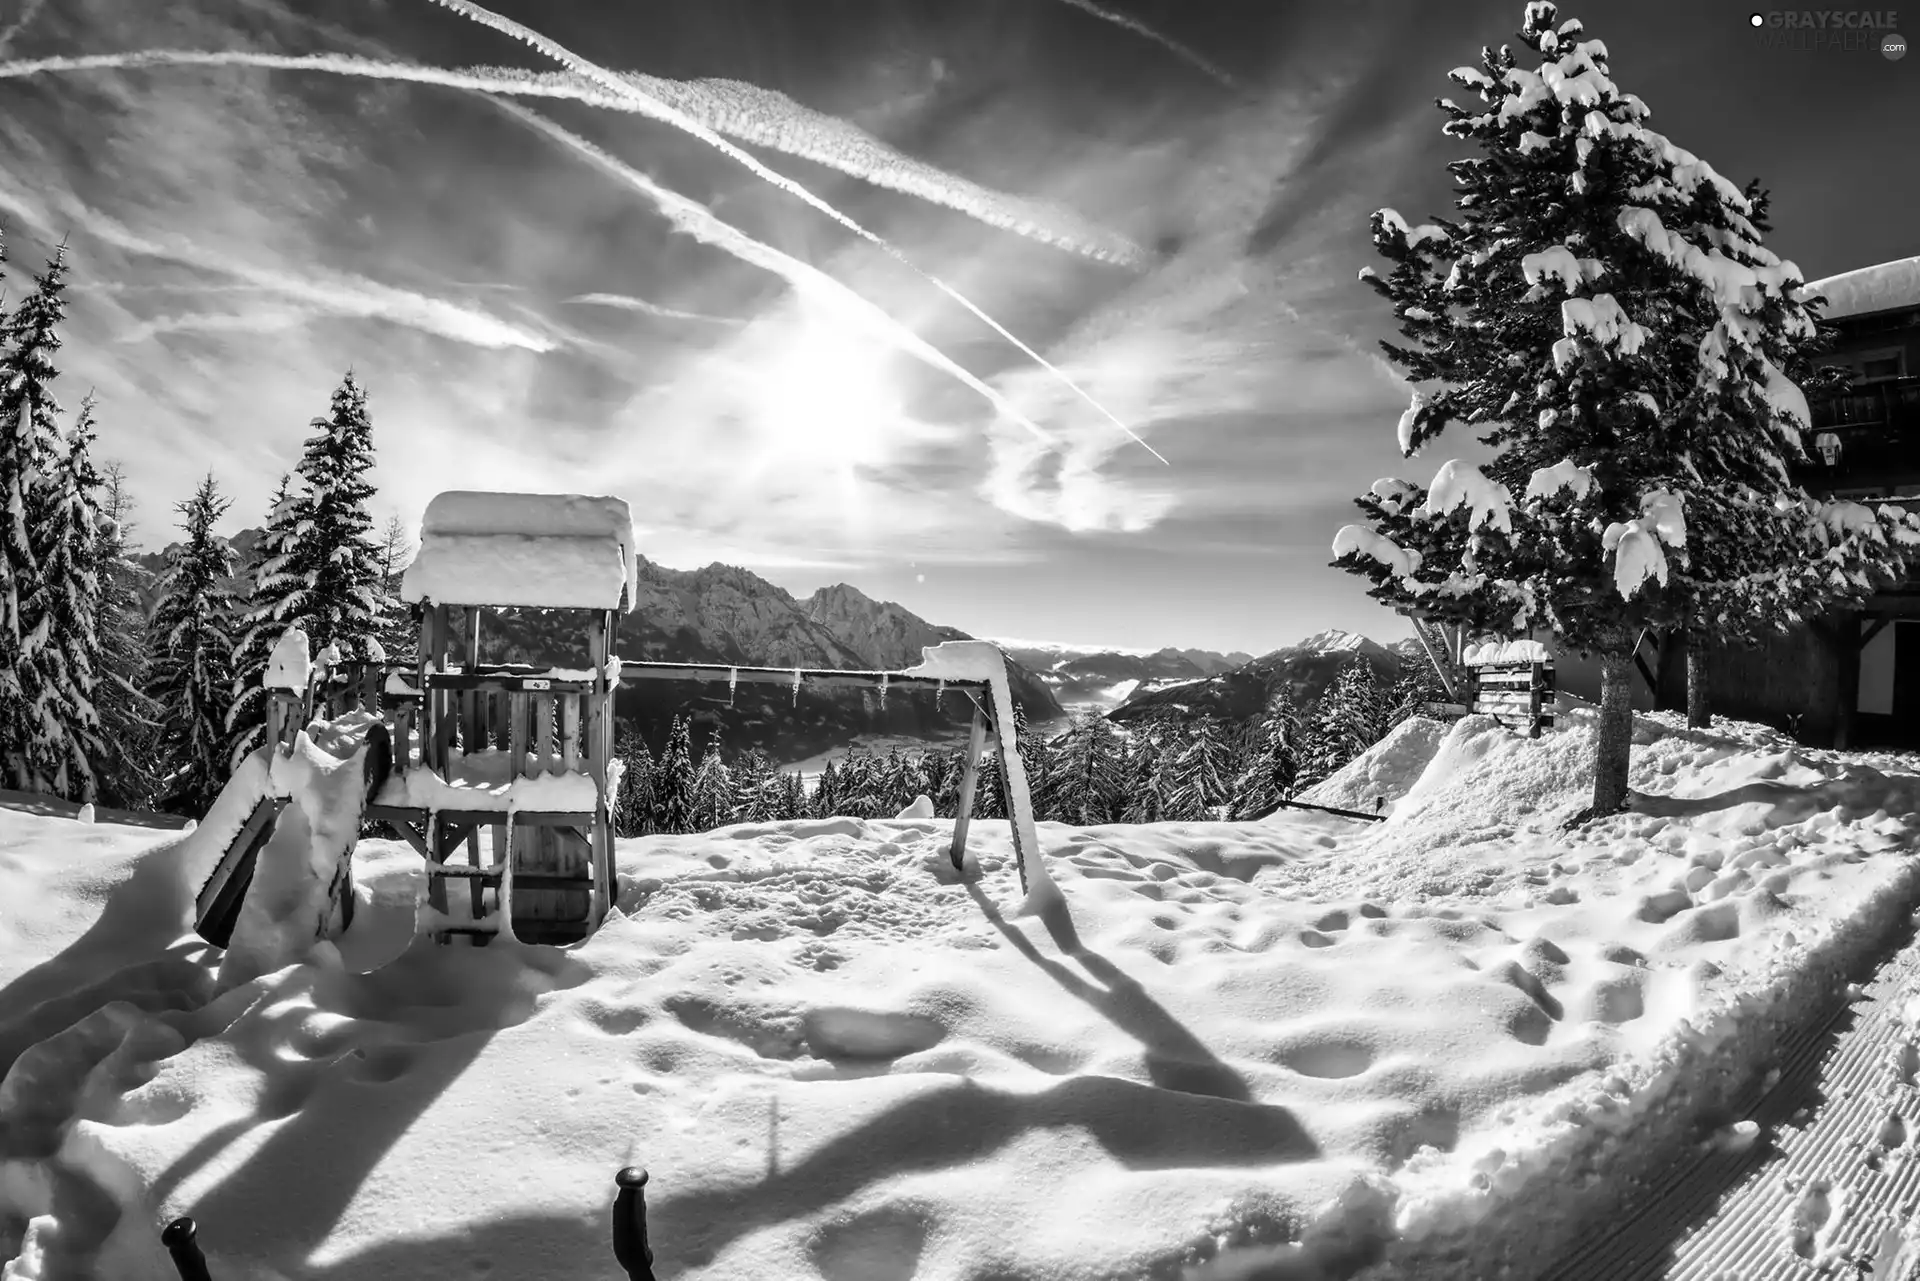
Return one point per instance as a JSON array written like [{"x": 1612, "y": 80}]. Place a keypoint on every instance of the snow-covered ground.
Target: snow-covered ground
[{"x": 1410, "y": 1047}]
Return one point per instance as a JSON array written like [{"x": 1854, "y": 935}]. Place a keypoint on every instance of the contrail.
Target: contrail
[
  {"x": 696, "y": 220},
  {"x": 625, "y": 302},
  {"x": 1173, "y": 46},
  {"x": 739, "y": 110},
  {"x": 736, "y": 109},
  {"x": 669, "y": 115}
]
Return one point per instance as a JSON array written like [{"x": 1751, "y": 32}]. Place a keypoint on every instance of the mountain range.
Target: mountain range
[
  {"x": 1086, "y": 678},
  {"x": 1306, "y": 668},
  {"x": 725, "y": 614}
]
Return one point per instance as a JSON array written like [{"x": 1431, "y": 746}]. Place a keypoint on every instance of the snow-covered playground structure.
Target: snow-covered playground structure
[{"x": 450, "y": 749}]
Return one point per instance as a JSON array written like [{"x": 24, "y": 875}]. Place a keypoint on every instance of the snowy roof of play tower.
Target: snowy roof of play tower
[
  {"x": 1865, "y": 290},
  {"x": 545, "y": 551}
]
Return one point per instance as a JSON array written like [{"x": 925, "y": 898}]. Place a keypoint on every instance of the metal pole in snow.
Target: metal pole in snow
[
  {"x": 180, "y": 1238},
  {"x": 630, "y": 1246}
]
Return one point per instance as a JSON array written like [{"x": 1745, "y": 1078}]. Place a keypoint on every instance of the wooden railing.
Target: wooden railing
[{"x": 522, "y": 715}]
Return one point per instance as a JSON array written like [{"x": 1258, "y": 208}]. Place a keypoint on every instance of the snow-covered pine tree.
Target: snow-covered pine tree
[
  {"x": 1602, "y": 313},
  {"x": 1203, "y": 774},
  {"x": 633, "y": 804},
  {"x": 989, "y": 791},
  {"x": 334, "y": 555},
  {"x": 1348, "y": 720},
  {"x": 1089, "y": 773},
  {"x": 793, "y": 797},
  {"x": 29, "y": 453},
  {"x": 1147, "y": 770},
  {"x": 857, "y": 786},
  {"x": 399, "y": 633},
  {"x": 127, "y": 727},
  {"x": 190, "y": 677},
  {"x": 673, "y": 780},
  {"x": 826, "y": 793},
  {"x": 751, "y": 773},
  {"x": 1273, "y": 762},
  {"x": 68, "y": 530},
  {"x": 1417, "y": 685},
  {"x": 710, "y": 803},
  {"x": 943, "y": 780},
  {"x": 277, "y": 597}
]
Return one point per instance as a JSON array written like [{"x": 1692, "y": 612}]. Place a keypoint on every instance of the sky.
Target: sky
[{"x": 796, "y": 343}]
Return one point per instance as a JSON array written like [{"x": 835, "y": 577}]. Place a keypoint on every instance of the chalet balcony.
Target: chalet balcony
[{"x": 1877, "y": 428}]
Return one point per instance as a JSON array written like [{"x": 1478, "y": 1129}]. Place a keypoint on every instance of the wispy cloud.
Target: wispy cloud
[
  {"x": 335, "y": 294},
  {"x": 29, "y": 10}
]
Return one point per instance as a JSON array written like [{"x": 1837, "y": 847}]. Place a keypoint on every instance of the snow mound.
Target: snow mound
[
  {"x": 1387, "y": 770},
  {"x": 290, "y": 666},
  {"x": 922, "y": 807}
]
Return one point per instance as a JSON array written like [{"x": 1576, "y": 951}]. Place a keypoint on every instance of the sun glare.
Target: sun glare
[{"x": 827, "y": 398}]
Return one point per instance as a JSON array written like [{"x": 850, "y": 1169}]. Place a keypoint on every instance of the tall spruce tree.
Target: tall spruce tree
[
  {"x": 1203, "y": 773},
  {"x": 826, "y": 793},
  {"x": 1602, "y": 313},
  {"x": 334, "y": 554},
  {"x": 278, "y": 597},
  {"x": 1417, "y": 685},
  {"x": 710, "y": 802},
  {"x": 1273, "y": 760},
  {"x": 1349, "y": 719},
  {"x": 191, "y": 678},
  {"x": 1088, "y": 774},
  {"x": 399, "y": 633},
  {"x": 29, "y": 455},
  {"x": 127, "y": 726},
  {"x": 68, "y": 596},
  {"x": 1147, "y": 773},
  {"x": 633, "y": 803},
  {"x": 673, "y": 780}
]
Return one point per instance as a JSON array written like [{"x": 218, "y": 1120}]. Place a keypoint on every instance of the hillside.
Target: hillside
[
  {"x": 1239, "y": 695},
  {"x": 1101, "y": 679}
]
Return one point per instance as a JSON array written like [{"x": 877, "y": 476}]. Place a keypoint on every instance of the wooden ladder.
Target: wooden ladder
[{"x": 490, "y": 885}]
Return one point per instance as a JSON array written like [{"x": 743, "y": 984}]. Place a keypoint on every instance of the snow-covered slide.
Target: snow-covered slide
[{"x": 273, "y": 861}]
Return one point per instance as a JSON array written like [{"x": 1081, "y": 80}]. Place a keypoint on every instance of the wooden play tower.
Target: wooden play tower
[{"x": 516, "y": 758}]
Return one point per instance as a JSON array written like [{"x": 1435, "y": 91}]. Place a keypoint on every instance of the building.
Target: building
[{"x": 1851, "y": 679}]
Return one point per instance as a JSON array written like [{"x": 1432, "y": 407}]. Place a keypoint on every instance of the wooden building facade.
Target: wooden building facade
[{"x": 1852, "y": 678}]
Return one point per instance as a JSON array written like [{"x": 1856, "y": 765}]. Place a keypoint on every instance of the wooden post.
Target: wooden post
[
  {"x": 429, "y": 721},
  {"x": 599, "y": 748},
  {"x": 969, "y": 775},
  {"x": 181, "y": 1240},
  {"x": 543, "y": 731},
  {"x": 630, "y": 1248},
  {"x": 402, "y": 736},
  {"x": 519, "y": 704},
  {"x": 570, "y": 732}
]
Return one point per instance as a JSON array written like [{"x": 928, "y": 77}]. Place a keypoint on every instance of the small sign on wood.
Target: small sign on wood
[
  {"x": 537, "y": 683},
  {"x": 1520, "y": 690}
]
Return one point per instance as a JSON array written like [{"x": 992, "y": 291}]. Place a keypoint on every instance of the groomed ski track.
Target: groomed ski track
[{"x": 1825, "y": 1182}]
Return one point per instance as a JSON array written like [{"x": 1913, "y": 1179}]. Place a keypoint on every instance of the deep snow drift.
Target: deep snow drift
[{"x": 1444, "y": 1032}]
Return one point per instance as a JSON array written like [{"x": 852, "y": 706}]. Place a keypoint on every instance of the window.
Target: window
[{"x": 1877, "y": 366}]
